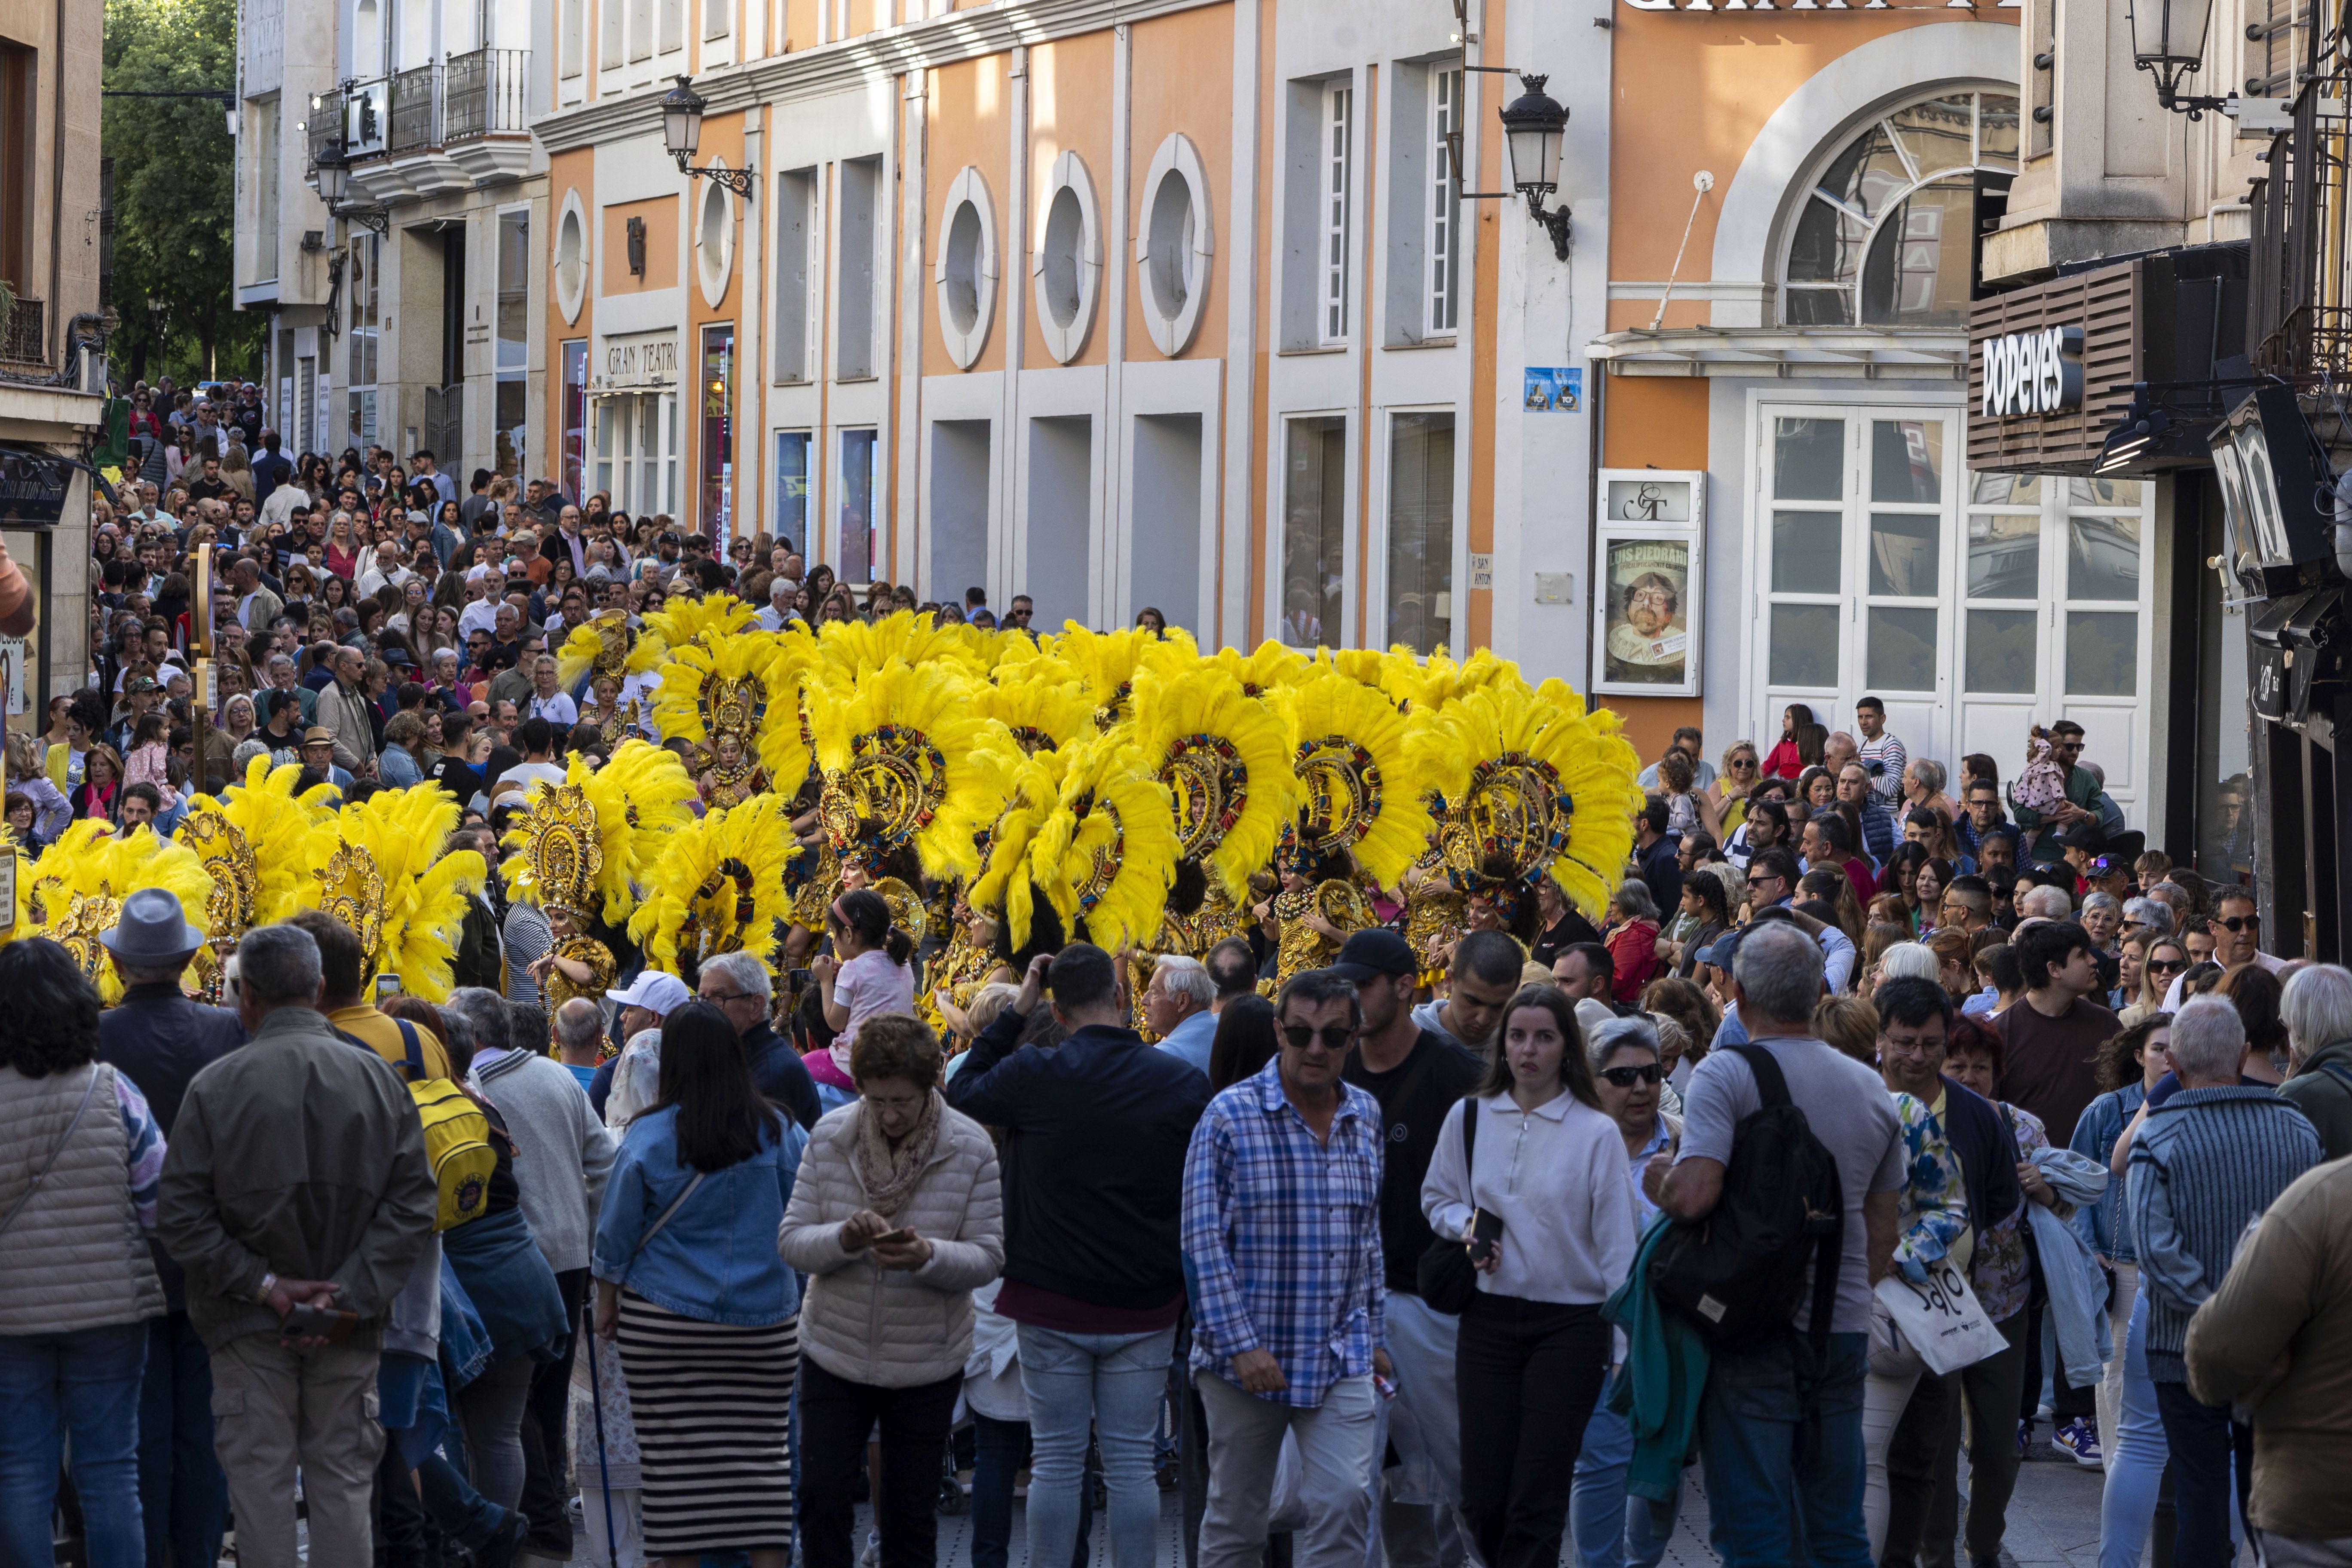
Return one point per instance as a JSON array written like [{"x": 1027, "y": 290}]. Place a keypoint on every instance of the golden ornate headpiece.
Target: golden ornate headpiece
[{"x": 562, "y": 853}]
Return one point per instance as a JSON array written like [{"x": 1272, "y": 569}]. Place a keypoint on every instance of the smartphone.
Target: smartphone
[
  {"x": 386, "y": 985},
  {"x": 1485, "y": 1230},
  {"x": 893, "y": 1237}
]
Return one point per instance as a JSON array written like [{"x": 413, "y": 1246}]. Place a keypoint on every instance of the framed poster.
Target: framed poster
[{"x": 1649, "y": 554}]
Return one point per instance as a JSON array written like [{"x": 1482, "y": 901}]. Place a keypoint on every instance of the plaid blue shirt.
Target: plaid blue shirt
[{"x": 1282, "y": 1236}]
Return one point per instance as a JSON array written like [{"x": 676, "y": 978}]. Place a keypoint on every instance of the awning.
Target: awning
[{"x": 1861, "y": 353}]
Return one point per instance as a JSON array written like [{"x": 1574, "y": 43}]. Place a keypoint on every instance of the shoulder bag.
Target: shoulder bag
[{"x": 1447, "y": 1277}]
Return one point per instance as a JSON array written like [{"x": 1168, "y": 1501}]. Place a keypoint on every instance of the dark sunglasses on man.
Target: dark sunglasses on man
[
  {"x": 1335, "y": 1037},
  {"x": 2239, "y": 922}
]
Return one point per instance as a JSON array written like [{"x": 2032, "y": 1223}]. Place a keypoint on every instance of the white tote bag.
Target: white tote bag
[{"x": 1940, "y": 1319}]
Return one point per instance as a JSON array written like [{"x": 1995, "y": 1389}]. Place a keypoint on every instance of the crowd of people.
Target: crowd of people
[{"x": 809, "y": 1055}]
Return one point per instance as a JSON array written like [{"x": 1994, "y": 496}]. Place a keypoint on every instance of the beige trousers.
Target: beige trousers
[
  {"x": 276, "y": 1410},
  {"x": 2111, "y": 1385}
]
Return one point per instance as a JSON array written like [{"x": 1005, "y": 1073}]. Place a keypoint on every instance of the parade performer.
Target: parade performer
[
  {"x": 378, "y": 867},
  {"x": 254, "y": 841}
]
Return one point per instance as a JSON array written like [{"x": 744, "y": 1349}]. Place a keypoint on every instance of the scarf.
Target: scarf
[{"x": 890, "y": 1179}]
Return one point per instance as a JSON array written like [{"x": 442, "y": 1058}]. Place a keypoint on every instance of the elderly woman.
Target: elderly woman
[
  {"x": 236, "y": 727},
  {"x": 1633, "y": 940},
  {"x": 2102, "y": 919},
  {"x": 896, "y": 1220},
  {"x": 1628, "y": 1071},
  {"x": 79, "y": 1167},
  {"x": 2316, "y": 1009}
]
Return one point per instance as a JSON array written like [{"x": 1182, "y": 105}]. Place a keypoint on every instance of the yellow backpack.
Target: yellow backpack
[{"x": 457, "y": 1137}]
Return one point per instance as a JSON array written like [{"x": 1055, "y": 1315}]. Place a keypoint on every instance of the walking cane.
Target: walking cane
[{"x": 604, "y": 1472}]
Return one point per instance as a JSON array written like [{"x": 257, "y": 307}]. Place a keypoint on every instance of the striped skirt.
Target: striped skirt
[{"x": 712, "y": 1404}]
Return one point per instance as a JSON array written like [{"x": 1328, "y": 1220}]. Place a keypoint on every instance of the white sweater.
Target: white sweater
[{"x": 1556, "y": 1175}]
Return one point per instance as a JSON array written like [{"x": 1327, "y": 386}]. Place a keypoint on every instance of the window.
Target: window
[
  {"x": 19, "y": 93},
  {"x": 514, "y": 290},
  {"x": 965, "y": 273},
  {"x": 673, "y": 24},
  {"x": 861, "y": 180},
  {"x": 1171, "y": 253},
  {"x": 717, "y": 405},
  {"x": 571, "y": 273},
  {"x": 1886, "y": 236},
  {"x": 365, "y": 290},
  {"x": 717, "y": 18},
  {"x": 267, "y": 159},
  {"x": 636, "y": 450},
  {"x": 1421, "y": 533},
  {"x": 572, "y": 39},
  {"x": 575, "y": 357},
  {"x": 861, "y": 459},
  {"x": 796, "y": 222},
  {"x": 306, "y": 374},
  {"x": 1339, "y": 103},
  {"x": 1069, "y": 259},
  {"x": 792, "y": 500},
  {"x": 1315, "y": 530},
  {"x": 1445, "y": 109}
]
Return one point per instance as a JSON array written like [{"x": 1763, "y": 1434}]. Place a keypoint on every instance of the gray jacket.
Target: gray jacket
[
  {"x": 299, "y": 1155},
  {"x": 563, "y": 1152}
]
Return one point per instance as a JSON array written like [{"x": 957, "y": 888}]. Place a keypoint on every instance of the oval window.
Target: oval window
[
  {"x": 1066, "y": 228},
  {"x": 961, "y": 296},
  {"x": 1170, "y": 230},
  {"x": 571, "y": 259}
]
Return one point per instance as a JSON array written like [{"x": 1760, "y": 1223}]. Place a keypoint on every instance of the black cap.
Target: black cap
[{"x": 1368, "y": 954}]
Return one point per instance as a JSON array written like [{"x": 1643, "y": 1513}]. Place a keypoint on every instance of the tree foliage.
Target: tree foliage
[{"x": 175, "y": 191}]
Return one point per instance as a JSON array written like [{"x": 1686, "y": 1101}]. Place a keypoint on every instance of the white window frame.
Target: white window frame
[
  {"x": 364, "y": 344},
  {"x": 1335, "y": 208},
  {"x": 1350, "y": 507},
  {"x": 1442, "y": 287}
]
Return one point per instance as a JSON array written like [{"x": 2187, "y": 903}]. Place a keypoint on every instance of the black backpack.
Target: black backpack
[{"x": 1739, "y": 1274}]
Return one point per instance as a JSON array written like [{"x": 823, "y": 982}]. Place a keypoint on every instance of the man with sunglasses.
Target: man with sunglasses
[
  {"x": 1288, "y": 1332},
  {"x": 1017, "y": 618},
  {"x": 1416, "y": 1076},
  {"x": 2080, "y": 804},
  {"x": 2236, "y": 925}
]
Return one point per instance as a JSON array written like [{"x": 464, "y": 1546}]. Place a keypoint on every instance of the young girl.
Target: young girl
[
  {"x": 868, "y": 971},
  {"x": 151, "y": 759},
  {"x": 1783, "y": 761}
]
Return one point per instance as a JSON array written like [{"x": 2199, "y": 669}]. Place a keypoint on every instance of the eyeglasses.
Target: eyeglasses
[
  {"x": 2239, "y": 922},
  {"x": 1335, "y": 1037},
  {"x": 1626, "y": 1078},
  {"x": 723, "y": 997}
]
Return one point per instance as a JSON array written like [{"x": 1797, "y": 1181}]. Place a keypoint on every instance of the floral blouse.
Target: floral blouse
[
  {"x": 1932, "y": 1209},
  {"x": 2003, "y": 1273}
]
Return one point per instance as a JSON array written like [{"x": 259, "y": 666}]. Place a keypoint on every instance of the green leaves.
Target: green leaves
[{"x": 175, "y": 191}]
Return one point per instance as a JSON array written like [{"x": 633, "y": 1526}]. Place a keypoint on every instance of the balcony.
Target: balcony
[
  {"x": 25, "y": 342},
  {"x": 329, "y": 114},
  {"x": 486, "y": 99},
  {"x": 415, "y": 111}
]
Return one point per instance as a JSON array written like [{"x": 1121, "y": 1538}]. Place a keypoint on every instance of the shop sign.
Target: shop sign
[
  {"x": 2269, "y": 682},
  {"x": 2032, "y": 373},
  {"x": 33, "y": 486},
  {"x": 649, "y": 361}
]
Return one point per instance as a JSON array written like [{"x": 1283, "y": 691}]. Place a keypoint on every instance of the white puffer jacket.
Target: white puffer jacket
[{"x": 892, "y": 1328}]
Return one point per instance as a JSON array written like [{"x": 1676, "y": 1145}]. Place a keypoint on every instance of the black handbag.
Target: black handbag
[{"x": 1447, "y": 1277}]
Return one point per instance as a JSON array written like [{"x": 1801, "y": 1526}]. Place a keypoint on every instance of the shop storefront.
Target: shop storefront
[{"x": 634, "y": 417}]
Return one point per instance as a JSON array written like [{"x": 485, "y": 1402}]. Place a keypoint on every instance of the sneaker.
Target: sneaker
[{"x": 2080, "y": 1439}]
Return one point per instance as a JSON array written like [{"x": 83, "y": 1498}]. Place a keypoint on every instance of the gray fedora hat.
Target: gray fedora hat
[{"x": 151, "y": 932}]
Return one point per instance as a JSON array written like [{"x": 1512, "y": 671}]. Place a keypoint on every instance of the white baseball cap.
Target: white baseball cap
[{"x": 657, "y": 993}]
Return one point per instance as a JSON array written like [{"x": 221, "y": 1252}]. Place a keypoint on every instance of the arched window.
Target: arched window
[{"x": 1884, "y": 236}]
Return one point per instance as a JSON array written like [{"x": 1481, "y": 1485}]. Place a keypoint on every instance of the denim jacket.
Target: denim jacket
[
  {"x": 716, "y": 1260},
  {"x": 2102, "y": 1224}
]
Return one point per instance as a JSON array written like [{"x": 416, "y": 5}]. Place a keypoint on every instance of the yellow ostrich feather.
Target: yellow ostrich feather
[
  {"x": 704, "y": 872},
  {"x": 923, "y": 720},
  {"x": 855, "y": 650},
  {"x": 1040, "y": 701},
  {"x": 1108, "y": 853},
  {"x": 1273, "y": 666},
  {"x": 785, "y": 751},
  {"x": 78, "y": 886},
  {"x": 1426, "y": 689},
  {"x": 579, "y": 652},
  {"x": 1358, "y": 770},
  {"x": 681, "y": 621},
  {"x": 276, "y": 824},
  {"x": 1108, "y": 663},
  {"x": 1492, "y": 735},
  {"x": 383, "y": 874},
  {"x": 723, "y": 676},
  {"x": 1036, "y": 791},
  {"x": 1365, "y": 666},
  {"x": 643, "y": 798},
  {"x": 1227, "y": 757}
]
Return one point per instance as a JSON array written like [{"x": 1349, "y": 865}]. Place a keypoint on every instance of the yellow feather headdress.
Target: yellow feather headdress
[
  {"x": 854, "y": 650},
  {"x": 1034, "y": 793},
  {"x": 1040, "y": 701},
  {"x": 1226, "y": 757},
  {"x": 1359, "y": 774},
  {"x": 1108, "y": 853},
  {"x": 642, "y": 796},
  {"x": 1273, "y": 666},
  {"x": 717, "y": 688},
  {"x": 1108, "y": 663},
  {"x": 906, "y": 760},
  {"x": 78, "y": 886},
  {"x": 722, "y": 882},
  {"x": 383, "y": 873},
  {"x": 601, "y": 644},
  {"x": 254, "y": 841},
  {"x": 560, "y": 859},
  {"x": 1535, "y": 779}
]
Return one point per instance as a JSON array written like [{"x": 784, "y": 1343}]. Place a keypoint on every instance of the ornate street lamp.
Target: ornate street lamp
[
  {"x": 333, "y": 168},
  {"x": 681, "y": 111},
  {"x": 2168, "y": 43},
  {"x": 1534, "y": 125}
]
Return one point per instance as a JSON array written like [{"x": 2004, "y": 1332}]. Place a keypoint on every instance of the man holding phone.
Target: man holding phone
[{"x": 297, "y": 1196}]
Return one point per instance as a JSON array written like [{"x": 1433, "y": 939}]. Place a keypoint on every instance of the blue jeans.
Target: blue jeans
[
  {"x": 1610, "y": 1529},
  {"x": 998, "y": 1449},
  {"x": 181, "y": 1492},
  {"x": 1113, "y": 1381},
  {"x": 1781, "y": 1440},
  {"x": 86, "y": 1383},
  {"x": 2136, "y": 1464}
]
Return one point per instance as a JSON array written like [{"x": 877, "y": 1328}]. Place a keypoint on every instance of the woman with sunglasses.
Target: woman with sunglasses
[
  {"x": 1727, "y": 795},
  {"x": 1627, "y": 1063},
  {"x": 1550, "y": 1165}
]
